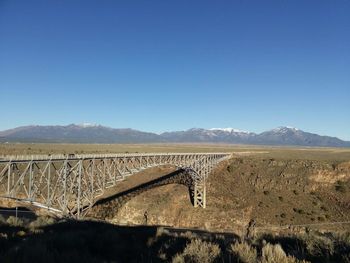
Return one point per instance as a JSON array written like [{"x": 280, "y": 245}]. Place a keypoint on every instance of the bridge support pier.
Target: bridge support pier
[{"x": 199, "y": 197}]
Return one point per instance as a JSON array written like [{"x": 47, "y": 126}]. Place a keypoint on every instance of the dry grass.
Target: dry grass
[
  {"x": 41, "y": 221},
  {"x": 13, "y": 221},
  {"x": 244, "y": 252},
  {"x": 275, "y": 254},
  {"x": 198, "y": 251}
]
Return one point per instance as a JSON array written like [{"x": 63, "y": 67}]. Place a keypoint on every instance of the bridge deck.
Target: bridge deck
[{"x": 58, "y": 157}]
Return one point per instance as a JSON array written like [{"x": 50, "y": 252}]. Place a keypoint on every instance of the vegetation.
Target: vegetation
[
  {"x": 275, "y": 254},
  {"x": 13, "y": 221},
  {"x": 341, "y": 187},
  {"x": 89, "y": 241},
  {"x": 198, "y": 251},
  {"x": 244, "y": 252}
]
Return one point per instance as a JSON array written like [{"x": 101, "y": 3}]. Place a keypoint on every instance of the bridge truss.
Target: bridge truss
[{"x": 71, "y": 184}]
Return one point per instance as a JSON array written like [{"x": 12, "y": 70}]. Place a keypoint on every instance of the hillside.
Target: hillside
[{"x": 272, "y": 191}]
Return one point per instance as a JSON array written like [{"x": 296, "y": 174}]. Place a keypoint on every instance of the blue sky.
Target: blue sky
[{"x": 173, "y": 65}]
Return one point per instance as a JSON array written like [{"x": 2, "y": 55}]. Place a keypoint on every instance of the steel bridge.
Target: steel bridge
[{"x": 70, "y": 185}]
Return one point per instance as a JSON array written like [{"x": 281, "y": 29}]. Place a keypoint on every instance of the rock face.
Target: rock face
[
  {"x": 271, "y": 191},
  {"x": 87, "y": 133}
]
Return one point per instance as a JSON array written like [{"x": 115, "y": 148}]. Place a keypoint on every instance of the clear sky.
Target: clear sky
[{"x": 173, "y": 65}]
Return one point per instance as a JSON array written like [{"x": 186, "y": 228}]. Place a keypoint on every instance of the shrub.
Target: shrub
[
  {"x": 299, "y": 211},
  {"x": 321, "y": 218},
  {"x": 318, "y": 245},
  {"x": 198, "y": 251},
  {"x": 230, "y": 169},
  {"x": 244, "y": 252},
  {"x": 275, "y": 254},
  {"x": 178, "y": 258},
  {"x": 340, "y": 187},
  {"x": 2, "y": 220},
  {"x": 42, "y": 221},
  {"x": 324, "y": 208},
  {"x": 13, "y": 221},
  {"x": 161, "y": 231},
  {"x": 344, "y": 238},
  {"x": 280, "y": 198},
  {"x": 272, "y": 253},
  {"x": 266, "y": 192},
  {"x": 188, "y": 235},
  {"x": 21, "y": 233}
]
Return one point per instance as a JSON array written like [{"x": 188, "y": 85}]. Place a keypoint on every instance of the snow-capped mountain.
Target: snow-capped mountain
[
  {"x": 284, "y": 129},
  {"x": 294, "y": 136},
  {"x": 230, "y": 130},
  {"x": 227, "y": 135},
  {"x": 93, "y": 133},
  {"x": 87, "y": 125}
]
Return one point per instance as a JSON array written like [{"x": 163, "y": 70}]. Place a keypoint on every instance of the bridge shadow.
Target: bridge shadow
[
  {"x": 89, "y": 241},
  {"x": 92, "y": 241},
  {"x": 20, "y": 211},
  {"x": 177, "y": 177}
]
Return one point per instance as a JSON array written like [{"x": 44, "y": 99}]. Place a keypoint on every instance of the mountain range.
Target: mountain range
[{"x": 91, "y": 133}]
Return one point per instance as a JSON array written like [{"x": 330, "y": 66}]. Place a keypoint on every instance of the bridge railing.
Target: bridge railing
[{"x": 7, "y": 158}]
